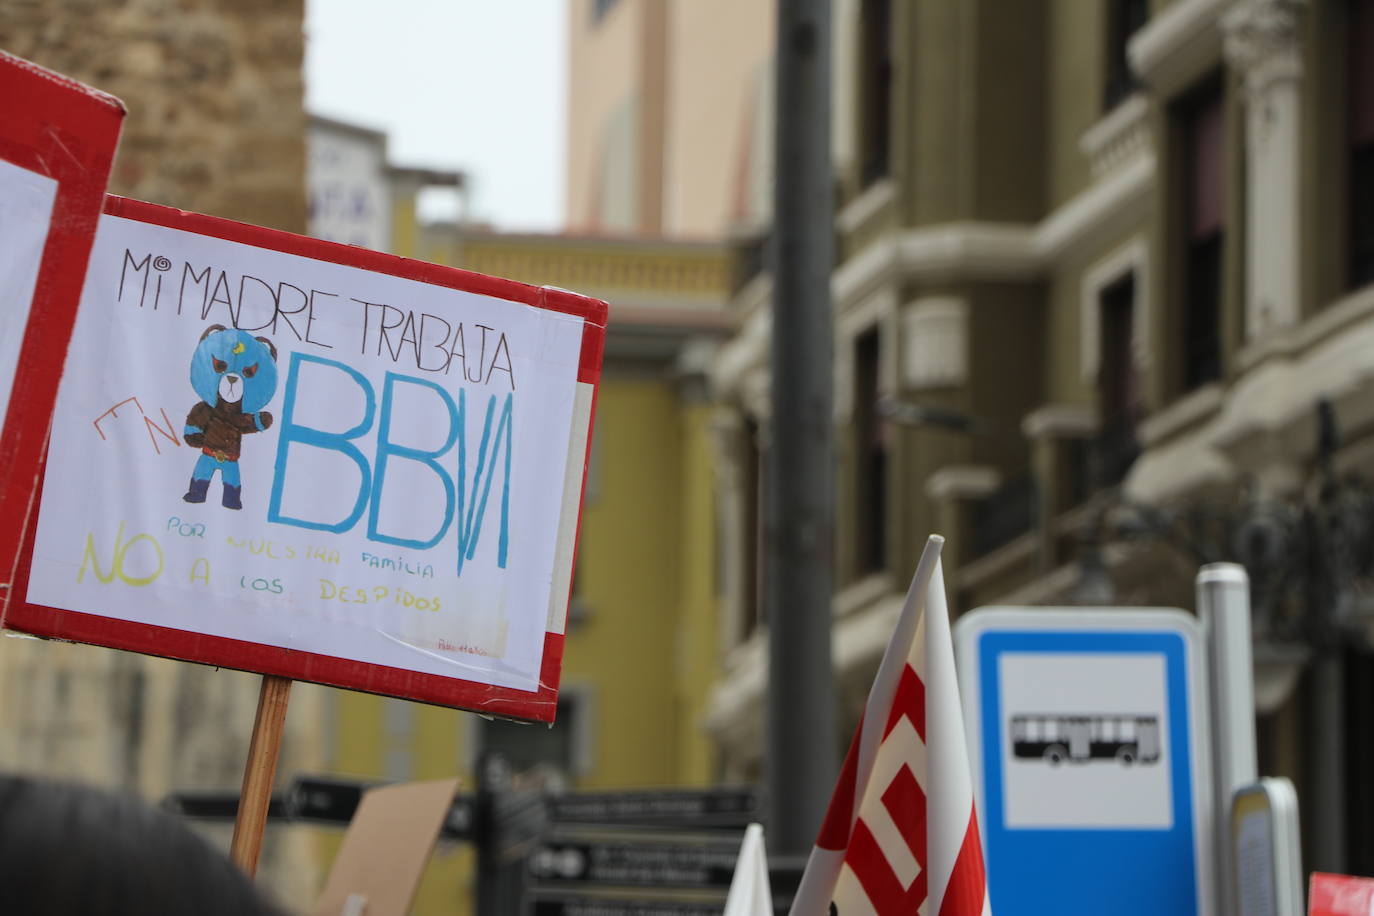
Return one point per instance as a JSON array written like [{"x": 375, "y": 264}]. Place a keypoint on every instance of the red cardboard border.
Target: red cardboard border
[
  {"x": 540, "y": 705},
  {"x": 66, "y": 131}
]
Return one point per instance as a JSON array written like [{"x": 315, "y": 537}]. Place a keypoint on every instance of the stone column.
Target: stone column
[
  {"x": 727, "y": 429},
  {"x": 1263, "y": 42}
]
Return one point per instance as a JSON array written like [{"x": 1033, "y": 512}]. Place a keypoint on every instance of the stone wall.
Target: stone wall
[
  {"x": 216, "y": 124},
  {"x": 214, "y": 88}
]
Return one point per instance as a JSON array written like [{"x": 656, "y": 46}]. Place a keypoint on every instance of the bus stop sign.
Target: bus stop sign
[{"x": 1087, "y": 730}]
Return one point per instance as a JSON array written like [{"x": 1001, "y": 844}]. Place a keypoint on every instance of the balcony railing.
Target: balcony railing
[{"x": 1005, "y": 515}]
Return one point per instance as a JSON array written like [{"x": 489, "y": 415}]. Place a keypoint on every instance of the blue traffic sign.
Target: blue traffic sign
[{"x": 1088, "y": 736}]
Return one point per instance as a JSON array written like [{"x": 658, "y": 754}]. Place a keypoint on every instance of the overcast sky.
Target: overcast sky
[{"x": 476, "y": 85}]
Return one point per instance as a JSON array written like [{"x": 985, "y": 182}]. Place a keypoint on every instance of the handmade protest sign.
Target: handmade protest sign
[
  {"x": 313, "y": 461},
  {"x": 57, "y": 141}
]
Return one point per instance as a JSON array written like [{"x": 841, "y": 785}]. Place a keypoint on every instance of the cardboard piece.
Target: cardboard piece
[
  {"x": 57, "y": 143},
  {"x": 309, "y": 460},
  {"x": 1340, "y": 895},
  {"x": 384, "y": 852}
]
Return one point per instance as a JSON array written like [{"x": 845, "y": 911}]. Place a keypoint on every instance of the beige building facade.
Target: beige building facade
[
  {"x": 669, "y": 117},
  {"x": 1098, "y": 265}
]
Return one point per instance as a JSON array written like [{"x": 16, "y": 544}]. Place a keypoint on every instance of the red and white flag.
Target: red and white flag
[{"x": 901, "y": 834}]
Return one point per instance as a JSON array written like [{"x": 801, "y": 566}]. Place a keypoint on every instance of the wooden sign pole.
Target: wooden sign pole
[{"x": 258, "y": 772}]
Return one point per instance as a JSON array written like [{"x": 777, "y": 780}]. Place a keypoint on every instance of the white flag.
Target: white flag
[
  {"x": 901, "y": 834},
  {"x": 750, "y": 894}
]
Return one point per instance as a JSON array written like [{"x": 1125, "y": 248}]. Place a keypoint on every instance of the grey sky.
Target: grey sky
[{"x": 477, "y": 85}]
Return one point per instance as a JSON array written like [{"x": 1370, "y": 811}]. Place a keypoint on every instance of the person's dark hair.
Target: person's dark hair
[{"x": 67, "y": 849}]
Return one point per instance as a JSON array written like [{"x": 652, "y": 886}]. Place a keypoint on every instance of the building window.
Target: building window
[
  {"x": 754, "y": 494},
  {"x": 875, "y": 88},
  {"x": 399, "y": 727},
  {"x": 1203, "y": 129},
  {"x": 600, "y": 8},
  {"x": 1119, "y": 391},
  {"x": 616, "y": 191},
  {"x": 1267, "y": 737},
  {"x": 578, "y": 610},
  {"x": 1124, "y": 19},
  {"x": 1004, "y": 515},
  {"x": 870, "y": 456},
  {"x": 1359, "y": 758},
  {"x": 1360, "y": 80}
]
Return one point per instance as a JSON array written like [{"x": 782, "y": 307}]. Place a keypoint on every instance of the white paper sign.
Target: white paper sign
[
  {"x": 26, "y": 200},
  {"x": 1120, "y": 776},
  {"x": 388, "y": 489}
]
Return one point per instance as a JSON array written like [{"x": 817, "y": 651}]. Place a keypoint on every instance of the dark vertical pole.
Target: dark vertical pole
[
  {"x": 493, "y": 779},
  {"x": 1326, "y": 800},
  {"x": 1328, "y": 573},
  {"x": 802, "y": 752}
]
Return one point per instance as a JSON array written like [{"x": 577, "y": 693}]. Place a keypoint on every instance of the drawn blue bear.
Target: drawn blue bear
[{"x": 235, "y": 375}]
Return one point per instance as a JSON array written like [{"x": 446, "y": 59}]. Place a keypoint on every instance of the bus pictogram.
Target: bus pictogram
[{"x": 1054, "y": 739}]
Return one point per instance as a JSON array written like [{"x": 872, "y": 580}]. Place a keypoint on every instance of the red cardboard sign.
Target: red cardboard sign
[
  {"x": 376, "y": 484},
  {"x": 57, "y": 142},
  {"x": 1340, "y": 895}
]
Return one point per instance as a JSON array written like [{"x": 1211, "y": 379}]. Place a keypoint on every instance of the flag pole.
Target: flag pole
[{"x": 258, "y": 772}]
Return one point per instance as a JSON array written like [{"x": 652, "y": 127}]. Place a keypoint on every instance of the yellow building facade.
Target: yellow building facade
[
  {"x": 641, "y": 641},
  {"x": 667, "y": 167}
]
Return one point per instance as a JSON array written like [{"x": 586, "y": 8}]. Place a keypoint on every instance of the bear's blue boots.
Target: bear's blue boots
[
  {"x": 231, "y": 497},
  {"x": 197, "y": 492}
]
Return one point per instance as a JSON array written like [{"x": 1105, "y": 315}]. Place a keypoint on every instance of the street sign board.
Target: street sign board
[
  {"x": 1266, "y": 848},
  {"x": 329, "y": 800},
  {"x": 707, "y": 871},
  {"x": 728, "y": 806},
  {"x": 57, "y": 143},
  {"x": 1088, "y": 736},
  {"x": 398, "y": 515},
  {"x": 545, "y": 904},
  {"x": 319, "y": 799},
  {"x": 627, "y": 869},
  {"x": 627, "y": 859},
  {"x": 213, "y": 805}
]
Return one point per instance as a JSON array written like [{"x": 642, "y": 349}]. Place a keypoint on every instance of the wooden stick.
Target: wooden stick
[{"x": 258, "y": 772}]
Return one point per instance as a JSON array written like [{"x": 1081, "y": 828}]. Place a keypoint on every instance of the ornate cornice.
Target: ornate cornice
[
  {"x": 1263, "y": 40},
  {"x": 1178, "y": 45}
]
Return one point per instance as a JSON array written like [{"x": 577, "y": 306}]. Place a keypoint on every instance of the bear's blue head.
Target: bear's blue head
[{"x": 233, "y": 365}]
